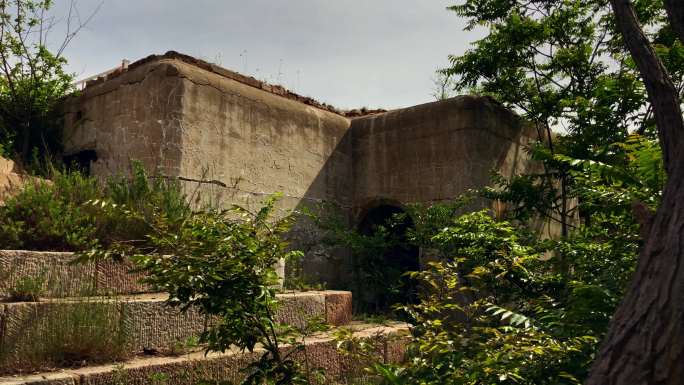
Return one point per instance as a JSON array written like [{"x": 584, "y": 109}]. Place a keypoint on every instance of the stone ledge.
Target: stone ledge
[
  {"x": 144, "y": 322},
  {"x": 61, "y": 278},
  {"x": 191, "y": 368}
]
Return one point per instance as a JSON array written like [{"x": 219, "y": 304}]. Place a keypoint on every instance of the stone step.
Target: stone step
[
  {"x": 53, "y": 274},
  {"x": 189, "y": 369},
  {"x": 36, "y": 332}
]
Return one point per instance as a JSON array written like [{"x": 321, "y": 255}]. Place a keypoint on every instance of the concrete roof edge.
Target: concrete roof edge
[
  {"x": 281, "y": 91},
  {"x": 247, "y": 80},
  {"x": 456, "y": 101}
]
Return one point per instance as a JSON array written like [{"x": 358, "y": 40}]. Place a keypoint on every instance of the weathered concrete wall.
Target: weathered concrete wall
[
  {"x": 435, "y": 151},
  {"x": 198, "y": 124},
  {"x": 197, "y": 121},
  {"x": 260, "y": 143},
  {"x": 137, "y": 115}
]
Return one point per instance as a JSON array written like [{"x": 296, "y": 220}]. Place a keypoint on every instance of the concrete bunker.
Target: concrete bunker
[{"x": 179, "y": 116}]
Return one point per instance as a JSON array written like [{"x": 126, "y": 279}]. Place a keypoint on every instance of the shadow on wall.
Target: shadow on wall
[
  {"x": 423, "y": 154},
  {"x": 326, "y": 263},
  {"x": 179, "y": 116}
]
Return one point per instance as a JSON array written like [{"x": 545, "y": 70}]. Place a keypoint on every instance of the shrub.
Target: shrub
[
  {"x": 149, "y": 196},
  {"x": 221, "y": 264},
  {"x": 491, "y": 310},
  {"x": 74, "y": 212},
  {"x": 376, "y": 285},
  {"x": 51, "y": 215},
  {"x": 23, "y": 288}
]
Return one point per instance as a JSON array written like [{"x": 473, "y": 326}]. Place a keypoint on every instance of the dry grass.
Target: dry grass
[{"x": 63, "y": 335}]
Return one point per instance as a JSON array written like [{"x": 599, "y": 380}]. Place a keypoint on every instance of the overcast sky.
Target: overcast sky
[{"x": 349, "y": 53}]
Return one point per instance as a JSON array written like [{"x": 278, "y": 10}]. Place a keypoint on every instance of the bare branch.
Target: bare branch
[{"x": 81, "y": 24}]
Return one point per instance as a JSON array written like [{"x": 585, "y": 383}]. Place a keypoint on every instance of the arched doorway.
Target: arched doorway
[{"x": 387, "y": 256}]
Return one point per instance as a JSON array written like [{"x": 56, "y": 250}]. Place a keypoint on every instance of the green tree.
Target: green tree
[
  {"x": 563, "y": 66},
  {"x": 645, "y": 343},
  {"x": 33, "y": 80},
  {"x": 492, "y": 310},
  {"x": 600, "y": 70}
]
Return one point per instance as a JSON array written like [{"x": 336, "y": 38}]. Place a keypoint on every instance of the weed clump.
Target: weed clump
[
  {"x": 74, "y": 212},
  {"x": 63, "y": 334},
  {"x": 27, "y": 289}
]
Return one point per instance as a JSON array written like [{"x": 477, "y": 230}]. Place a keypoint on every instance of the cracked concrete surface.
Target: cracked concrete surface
[{"x": 187, "y": 118}]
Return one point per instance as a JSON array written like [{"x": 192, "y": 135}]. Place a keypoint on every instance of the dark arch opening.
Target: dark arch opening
[
  {"x": 80, "y": 161},
  {"x": 382, "y": 268}
]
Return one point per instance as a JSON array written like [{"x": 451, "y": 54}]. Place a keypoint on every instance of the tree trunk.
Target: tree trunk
[{"x": 645, "y": 342}]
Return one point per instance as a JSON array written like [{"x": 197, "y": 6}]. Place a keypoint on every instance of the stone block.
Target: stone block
[
  {"x": 54, "y": 271},
  {"x": 189, "y": 369},
  {"x": 60, "y": 277},
  {"x": 297, "y": 308},
  {"x": 338, "y": 307},
  {"x": 131, "y": 324}
]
